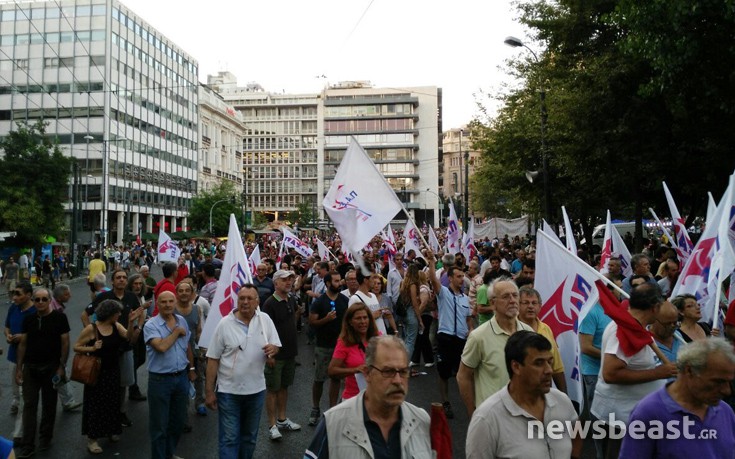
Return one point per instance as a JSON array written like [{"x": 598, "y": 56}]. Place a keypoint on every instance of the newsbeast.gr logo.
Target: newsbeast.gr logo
[{"x": 615, "y": 429}]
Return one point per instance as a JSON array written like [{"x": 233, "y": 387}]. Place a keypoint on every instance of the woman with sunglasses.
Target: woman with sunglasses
[
  {"x": 690, "y": 314},
  {"x": 348, "y": 359},
  {"x": 104, "y": 338}
]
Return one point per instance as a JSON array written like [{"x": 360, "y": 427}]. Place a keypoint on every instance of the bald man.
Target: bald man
[
  {"x": 170, "y": 367},
  {"x": 665, "y": 331}
]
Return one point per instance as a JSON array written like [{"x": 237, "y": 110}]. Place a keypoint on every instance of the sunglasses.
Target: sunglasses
[{"x": 41, "y": 299}]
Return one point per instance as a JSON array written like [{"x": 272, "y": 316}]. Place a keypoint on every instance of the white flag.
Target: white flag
[
  {"x": 454, "y": 240},
  {"x": 621, "y": 251},
  {"x": 550, "y": 231},
  {"x": 723, "y": 261},
  {"x": 469, "y": 249},
  {"x": 290, "y": 240},
  {"x": 711, "y": 208},
  {"x": 434, "y": 241},
  {"x": 234, "y": 274},
  {"x": 568, "y": 232},
  {"x": 167, "y": 249},
  {"x": 360, "y": 202},
  {"x": 254, "y": 259},
  {"x": 606, "y": 252},
  {"x": 322, "y": 249},
  {"x": 411, "y": 238},
  {"x": 683, "y": 244},
  {"x": 568, "y": 292},
  {"x": 710, "y": 257}
]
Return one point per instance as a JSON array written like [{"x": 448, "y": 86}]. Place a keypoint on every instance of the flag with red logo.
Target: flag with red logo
[
  {"x": 606, "y": 252},
  {"x": 434, "y": 241},
  {"x": 167, "y": 250},
  {"x": 411, "y": 238},
  {"x": 568, "y": 292},
  {"x": 569, "y": 232},
  {"x": 683, "y": 245},
  {"x": 360, "y": 202},
  {"x": 323, "y": 250},
  {"x": 454, "y": 240},
  {"x": 631, "y": 334},
  {"x": 620, "y": 250},
  {"x": 254, "y": 259},
  {"x": 234, "y": 274},
  {"x": 711, "y": 260},
  {"x": 469, "y": 249},
  {"x": 291, "y": 240}
]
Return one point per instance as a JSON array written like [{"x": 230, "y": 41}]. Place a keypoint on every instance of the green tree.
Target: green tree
[
  {"x": 304, "y": 214},
  {"x": 34, "y": 179},
  {"x": 220, "y": 201}
]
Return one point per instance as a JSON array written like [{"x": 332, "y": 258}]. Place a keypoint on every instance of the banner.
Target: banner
[
  {"x": 290, "y": 240},
  {"x": 167, "y": 249},
  {"x": 500, "y": 227},
  {"x": 360, "y": 202},
  {"x": 234, "y": 274}
]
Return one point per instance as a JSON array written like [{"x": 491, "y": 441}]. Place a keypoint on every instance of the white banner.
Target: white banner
[
  {"x": 167, "y": 249},
  {"x": 290, "y": 240}
]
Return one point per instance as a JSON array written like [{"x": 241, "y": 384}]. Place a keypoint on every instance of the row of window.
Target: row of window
[
  {"x": 281, "y": 127},
  {"x": 149, "y": 176},
  {"x": 68, "y": 12},
  {"x": 82, "y": 36},
  {"x": 286, "y": 113},
  {"x": 268, "y": 202},
  {"x": 52, "y": 62},
  {"x": 277, "y": 172},
  {"x": 368, "y": 110},
  {"x": 367, "y": 139},
  {"x": 51, "y": 88},
  {"x": 121, "y": 195},
  {"x": 151, "y": 61},
  {"x": 152, "y": 129},
  {"x": 280, "y": 157},
  {"x": 279, "y": 143},
  {"x": 283, "y": 186},
  {"x": 396, "y": 124},
  {"x": 384, "y": 154},
  {"x": 150, "y": 84},
  {"x": 51, "y": 113}
]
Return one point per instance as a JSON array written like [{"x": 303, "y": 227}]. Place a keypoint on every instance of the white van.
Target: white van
[{"x": 598, "y": 234}]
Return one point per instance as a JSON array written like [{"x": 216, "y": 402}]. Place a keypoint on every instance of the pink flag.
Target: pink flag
[
  {"x": 167, "y": 249},
  {"x": 360, "y": 202},
  {"x": 606, "y": 253},
  {"x": 411, "y": 238},
  {"x": 291, "y": 240},
  {"x": 235, "y": 273},
  {"x": 683, "y": 244},
  {"x": 568, "y": 292},
  {"x": 454, "y": 242}
]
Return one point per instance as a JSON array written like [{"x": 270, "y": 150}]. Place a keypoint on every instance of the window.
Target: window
[
  {"x": 84, "y": 10},
  {"x": 8, "y": 15},
  {"x": 37, "y": 13}
]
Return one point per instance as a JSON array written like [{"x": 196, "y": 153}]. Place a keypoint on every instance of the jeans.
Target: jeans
[
  {"x": 412, "y": 330},
  {"x": 167, "y": 403},
  {"x": 37, "y": 378},
  {"x": 239, "y": 419}
]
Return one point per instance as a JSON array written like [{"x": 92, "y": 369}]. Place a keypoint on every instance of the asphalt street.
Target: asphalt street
[{"x": 201, "y": 443}]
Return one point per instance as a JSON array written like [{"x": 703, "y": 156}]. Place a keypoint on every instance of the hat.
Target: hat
[{"x": 283, "y": 274}]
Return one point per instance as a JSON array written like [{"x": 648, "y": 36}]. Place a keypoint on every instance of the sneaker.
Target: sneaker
[
  {"x": 125, "y": 420},
  {"x": 202, "y": 410},
  {"x": 314, "y": 416},
  {"x": 448, "y": 410},
  {"x": 274, "y": 434},
  {"x": 71, "y": 406},
  {"x": 26, "y": 451},
  {"x": 288, "y": 424},
  {"x": 429, "y": 364}
]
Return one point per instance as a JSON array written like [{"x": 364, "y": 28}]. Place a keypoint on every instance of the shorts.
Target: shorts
[
  {"x": 450, "y": 354},
  {"x": 322, "y": 357},
  {"x": 281, "y": 375}
]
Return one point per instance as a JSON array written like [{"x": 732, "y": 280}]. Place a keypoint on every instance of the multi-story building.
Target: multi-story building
[
  {"x": 458, "y": 149},
  {"x": 221, "y": 138},
  {"x": 118, "y": 96}
]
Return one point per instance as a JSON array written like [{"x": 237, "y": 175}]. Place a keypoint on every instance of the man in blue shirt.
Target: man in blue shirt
[
  {"x": 455, "y": 323},
  {"x": 590, "y": 342},
  {"x": 665, "y": 331},
  {"x": 170, "y": 360}
]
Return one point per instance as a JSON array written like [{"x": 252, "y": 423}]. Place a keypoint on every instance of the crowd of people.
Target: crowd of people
[{"x": 372, "y": 326}]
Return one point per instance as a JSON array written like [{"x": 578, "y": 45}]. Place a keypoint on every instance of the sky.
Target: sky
[{"x": 296, "y": 46}]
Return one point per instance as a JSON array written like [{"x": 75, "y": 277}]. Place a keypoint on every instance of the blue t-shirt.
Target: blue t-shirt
[
  {"x": 14, "y": 322},
  {"x": 453, "y": 312},
  {"x": 594, "y": 324},
  {"x": 672, "y": 352},
  {"x": 6, "y": 446}
]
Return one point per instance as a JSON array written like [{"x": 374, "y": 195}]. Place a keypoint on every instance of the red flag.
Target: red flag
[
  {"x": 632, "y": 335},
  {"x": 441, "y": 436}
]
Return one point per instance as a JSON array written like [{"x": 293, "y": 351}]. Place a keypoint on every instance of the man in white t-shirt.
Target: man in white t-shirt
[
  {"x": 237, "y": 353},
  {"x": 350, "y": 283},
  {"x": 364, "y": 295}
]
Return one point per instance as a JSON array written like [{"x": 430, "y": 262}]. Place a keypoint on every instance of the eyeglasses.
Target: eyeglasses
[
  {"x": 389, "y": 373},
  {"x": 43, "y": 299}
]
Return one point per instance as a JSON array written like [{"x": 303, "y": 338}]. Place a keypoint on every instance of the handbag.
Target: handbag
[{"x": 85, "y": 368}]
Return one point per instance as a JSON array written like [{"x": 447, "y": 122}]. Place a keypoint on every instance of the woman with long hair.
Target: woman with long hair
[
  {"x": 104, "y": 338},
  {"x": 348, "y": 358},
  {"x": 377, "y": 288},
  {"x": 427, "y": 302},
  {"x": 690, "y": 314},
  {"x": 409, "y": 295}
]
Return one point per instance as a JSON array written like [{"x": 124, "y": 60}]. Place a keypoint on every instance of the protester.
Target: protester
[
  {"x": 665, "y": 332},
  {"x": 409, "y": 297},
  {"x": 590, "y": 343},
  {"x": 427, "y": 306},
  {"x": 641, "y": 266},
  {"x": 692, "y": 328},
  {"x": 348, "y": 360},
  {"x": 138, "y": 286},
  {"x": 191, "y": 312},
  {"x": 235, "y": 379},
  {"x": 60, "y": 296},
  {"x": 378, "y": 422},
  {"x": 365, "y": 296}
]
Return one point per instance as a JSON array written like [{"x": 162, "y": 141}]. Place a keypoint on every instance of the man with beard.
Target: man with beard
[
  {"x": 378, "y": 422},
  {"x": 482, "y": 369},
  {"x": 325, "y": 317},
  {"x": 502, "y": 425}
]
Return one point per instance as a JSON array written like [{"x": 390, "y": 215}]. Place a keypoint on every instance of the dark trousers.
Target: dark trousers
[
  {"x": 37, "y": 379},
  {"x": 423, "y": 343}
]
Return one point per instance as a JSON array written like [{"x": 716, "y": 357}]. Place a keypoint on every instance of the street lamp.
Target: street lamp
[
  {"x": 515, "y": 43},
  {"x": 210, "y": 213},
  {"x": 441, "y": 206}
]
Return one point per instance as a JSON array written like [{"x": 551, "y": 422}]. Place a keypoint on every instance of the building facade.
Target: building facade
[
  {"x": 118, "y": 96},
  {"x": 457, "y": 146}
]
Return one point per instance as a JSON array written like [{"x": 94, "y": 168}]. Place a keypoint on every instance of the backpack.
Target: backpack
[{"x": 401, "y": 308}]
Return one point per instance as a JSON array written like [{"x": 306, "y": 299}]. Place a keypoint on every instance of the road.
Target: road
[{"x": 201, "y": 443}]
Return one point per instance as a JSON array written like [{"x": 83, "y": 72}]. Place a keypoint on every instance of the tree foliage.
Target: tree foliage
[
  {"x": 621, "y": 117},
  {"x": 221, "y": 201},
  {"x": 34, "y": 179}
]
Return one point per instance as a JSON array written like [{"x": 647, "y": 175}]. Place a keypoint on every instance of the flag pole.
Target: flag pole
[{"x": 666, "y": 232}]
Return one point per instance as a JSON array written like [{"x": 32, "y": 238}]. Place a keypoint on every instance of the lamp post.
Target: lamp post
[
  {"x": 465, "y": 220},
  {"x": 74, "y": 216},
  {"x": 441, "y": 206},
  {"x": 210, "y": 213},
  {"x": 515, "y": 43}
]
